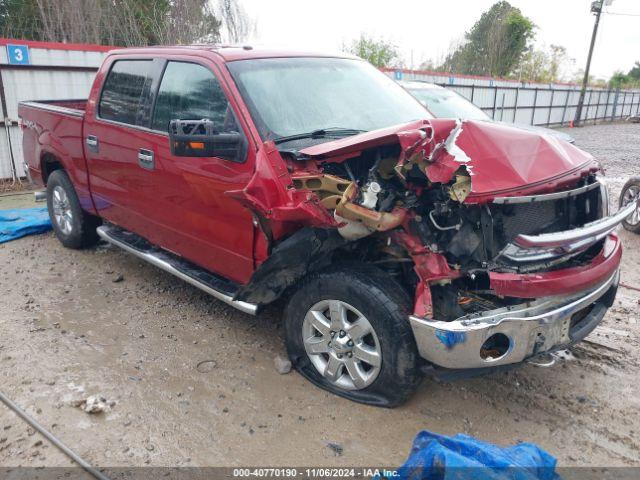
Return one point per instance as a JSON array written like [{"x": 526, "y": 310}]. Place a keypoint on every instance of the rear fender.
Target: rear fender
[{"x": 49, "y": 147}]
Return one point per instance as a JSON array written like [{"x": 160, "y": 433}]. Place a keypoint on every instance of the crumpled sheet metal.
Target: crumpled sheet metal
[{"x": 500, "y": 158}]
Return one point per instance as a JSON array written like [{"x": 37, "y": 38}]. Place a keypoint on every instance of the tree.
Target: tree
[
  {"x": 533, "y": 66},
  {"x": 236, "y": 24},
  {"x": 122, "y": 22},
  {"x": 634, "y": 73},
  {"x": 378, "y": 52},
  {"x": 495, "y": 44},
  {"x": 544, "y": 65},
  {"x": 618, "y": 80},
  {"x": 559, "y": 64},
  {"x": 19, "y": 19}
]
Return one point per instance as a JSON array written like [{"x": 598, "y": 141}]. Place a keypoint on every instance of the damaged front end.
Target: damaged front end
[{"x": 502, "y": 236}]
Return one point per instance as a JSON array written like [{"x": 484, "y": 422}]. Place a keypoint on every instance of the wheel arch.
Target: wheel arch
[
  {"x": 48, "y": 164},
  {"x": 307, "y": 251}
]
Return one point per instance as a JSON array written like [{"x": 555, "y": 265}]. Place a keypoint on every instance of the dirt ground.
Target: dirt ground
[{"x": 194, "y": 381}]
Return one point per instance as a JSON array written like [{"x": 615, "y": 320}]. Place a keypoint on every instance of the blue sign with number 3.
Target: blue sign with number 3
[{"x": 18, "y": 54}]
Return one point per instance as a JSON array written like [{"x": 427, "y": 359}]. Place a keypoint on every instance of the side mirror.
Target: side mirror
[{"x": 199, "y": 138}]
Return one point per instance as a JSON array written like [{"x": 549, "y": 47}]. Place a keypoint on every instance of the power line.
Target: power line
[{"x": 622, "y": 14}]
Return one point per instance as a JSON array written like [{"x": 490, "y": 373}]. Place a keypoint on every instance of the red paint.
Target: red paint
[
  {"x": 192, "y": 206},
  {"x": 181, "y": 204},
  {"x": 61, "y": 137},
  {"x": 564, "y": 281},
  {"x": 504, "y": 161},
  {"x": 85, "y": 47},
  {"x": 271, "y": 195},
  {"x": 430, "y": 267}
]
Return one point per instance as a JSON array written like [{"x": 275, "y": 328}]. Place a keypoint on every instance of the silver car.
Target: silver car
[{"x": 444, "y": 103}]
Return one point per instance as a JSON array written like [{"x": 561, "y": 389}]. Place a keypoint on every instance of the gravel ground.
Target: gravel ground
[{"x": 193, "y": 382}]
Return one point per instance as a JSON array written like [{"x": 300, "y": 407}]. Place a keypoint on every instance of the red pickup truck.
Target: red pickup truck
[{"x": 400, "y": 243}]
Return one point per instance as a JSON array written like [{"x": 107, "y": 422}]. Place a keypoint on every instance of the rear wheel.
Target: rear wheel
[
  {"x": 630, "y": 192},
  {"x": 347, "y": 331},
  {"x": 74, "y": 227}
]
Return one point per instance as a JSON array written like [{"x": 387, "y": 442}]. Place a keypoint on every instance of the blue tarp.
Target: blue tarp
[
  {"x": 23, "y": 221},
  {"x": 439, "y": 457}
]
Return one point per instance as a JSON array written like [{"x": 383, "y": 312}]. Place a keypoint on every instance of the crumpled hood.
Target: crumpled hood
[
  {"x": 537, "y": 129},
  {"x": 500, "y": 159},
  {"x": 504, "y": 158}
]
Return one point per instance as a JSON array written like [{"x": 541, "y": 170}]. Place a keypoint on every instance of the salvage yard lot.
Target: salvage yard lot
[{"x": 77, "y": 323}]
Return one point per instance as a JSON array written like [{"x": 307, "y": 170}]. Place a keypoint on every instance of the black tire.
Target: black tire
[
  {"x": 80, "y": 231},
  {"x": 385, "y": 305},
  {"x": 632, "y": 183}
]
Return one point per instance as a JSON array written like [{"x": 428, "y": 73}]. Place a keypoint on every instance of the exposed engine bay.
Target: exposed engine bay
[{"x": 422, "y": 205}]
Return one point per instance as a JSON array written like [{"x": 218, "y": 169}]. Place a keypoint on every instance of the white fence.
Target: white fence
[
  {"x": 42, "y": 70},
  {"x": 39, "y": 71},
  {"x": 532, "y": 103}
]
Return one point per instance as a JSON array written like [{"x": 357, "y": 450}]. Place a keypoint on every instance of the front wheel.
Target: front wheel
[
  {"x": 630, "y": 192},
  {"x": 347, "y": 331}
]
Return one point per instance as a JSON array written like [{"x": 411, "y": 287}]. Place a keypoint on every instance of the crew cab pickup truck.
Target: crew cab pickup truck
[{"x": 398, "y": 243}]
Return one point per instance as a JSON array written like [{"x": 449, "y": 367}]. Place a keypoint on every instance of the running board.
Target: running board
[{"x": 214, "y": 285}]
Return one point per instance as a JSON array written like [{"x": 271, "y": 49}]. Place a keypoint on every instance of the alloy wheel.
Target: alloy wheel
[
  {"x": 62, "y": 213},
  {"x": 630, "y": 195},
  {"x": 342, "y": 344}
]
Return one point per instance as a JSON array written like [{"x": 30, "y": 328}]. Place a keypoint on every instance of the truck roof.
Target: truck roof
[{"x": 229, "y": 53}]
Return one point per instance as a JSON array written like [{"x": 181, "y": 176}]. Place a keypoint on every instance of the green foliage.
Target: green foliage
[
  {"x": 495, "y": 44},
  {"x": 379, "y": 53},
  {"x": 619, "y": 79},
  {"x": 111, "y": 22},
  {"x": 19, "y": 19},
  {"x": 634, "y": 73}
]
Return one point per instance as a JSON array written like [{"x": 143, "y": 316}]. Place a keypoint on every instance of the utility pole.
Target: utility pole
[{"x": 596, "y": 7}]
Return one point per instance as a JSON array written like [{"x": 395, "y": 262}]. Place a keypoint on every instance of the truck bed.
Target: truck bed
[
  {"x": 75, "y": 107},
  {"x": 54, "y": 129}
]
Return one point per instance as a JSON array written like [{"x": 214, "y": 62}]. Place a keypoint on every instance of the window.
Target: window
[
  {"x": 288, "y": 96},
  {"x": 447, "y": 104},
  {"x": 126, "y": 85},
  {"x": 191, "y": 92}
]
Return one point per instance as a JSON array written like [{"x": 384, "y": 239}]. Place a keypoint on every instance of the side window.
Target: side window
[
  {"x": 191, "y": 92},
  {"x": 127, "y": 83}
]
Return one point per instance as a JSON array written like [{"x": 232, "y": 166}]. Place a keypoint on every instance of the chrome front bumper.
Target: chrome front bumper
[
  {"x": 531, "y": 328},
  {"x": 532, "y": 248}
]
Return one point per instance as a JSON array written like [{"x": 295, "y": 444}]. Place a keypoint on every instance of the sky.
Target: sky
[{"x": 425, "y": 29}]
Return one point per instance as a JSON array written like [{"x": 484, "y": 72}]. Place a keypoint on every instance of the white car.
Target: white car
[{"x": 445, "y": 103}]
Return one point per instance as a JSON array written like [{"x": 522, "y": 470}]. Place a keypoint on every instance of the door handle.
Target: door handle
[
  {"x": 92, "y": 143},
  {"x": 145, "y": 159}
]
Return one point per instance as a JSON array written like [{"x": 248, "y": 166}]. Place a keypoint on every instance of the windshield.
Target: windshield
[
  {"x": 292, "y": 96},
  {"x": 447, "y": 104}
]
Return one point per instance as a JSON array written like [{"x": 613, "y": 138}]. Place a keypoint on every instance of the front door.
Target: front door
[{"x": 189, "y": 207}]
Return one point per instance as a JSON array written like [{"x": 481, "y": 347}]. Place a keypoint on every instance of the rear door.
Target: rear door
[
  {"x": 116, "y": 138},
  {"x": 188, "y": 205}
]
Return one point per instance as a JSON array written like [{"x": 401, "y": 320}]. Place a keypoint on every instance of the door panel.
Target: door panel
[
  {"x": 113, "y": 137},
  {"x": 198, "y": 220},
  {"x": 178, "y": 203}
]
